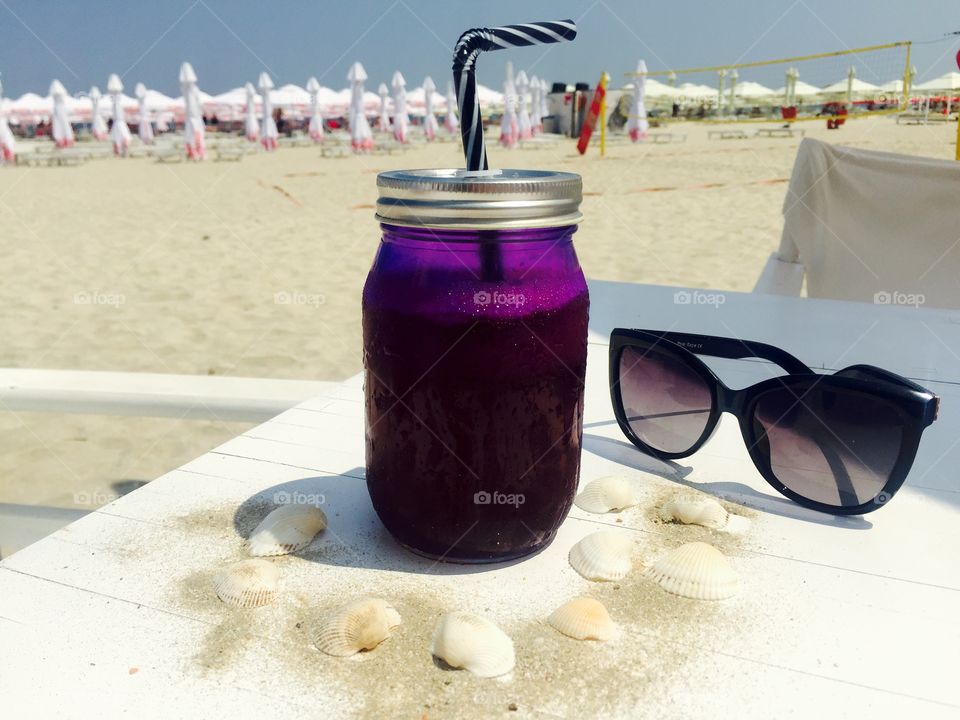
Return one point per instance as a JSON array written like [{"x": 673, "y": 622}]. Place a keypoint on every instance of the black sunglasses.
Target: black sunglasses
[{"x": 840, "y": 443}]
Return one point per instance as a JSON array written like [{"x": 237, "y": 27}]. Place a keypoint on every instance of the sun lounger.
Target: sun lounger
[
  {"x": 335, "y": 151},
  {"x": 781, "y": 132},
  {"x": 727, "y": 134},
  {"x": 868, "y": 226},
  {"x": 168, "y": 154},
  {"x": 229, "y": 153},
  {"x": 666, "y": 137}
]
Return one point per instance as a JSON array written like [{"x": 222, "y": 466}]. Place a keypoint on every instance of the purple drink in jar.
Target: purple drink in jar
[{"x": 475, "y": 342}]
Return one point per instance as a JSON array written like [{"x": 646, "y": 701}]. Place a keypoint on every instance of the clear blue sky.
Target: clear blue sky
[{"x": 230, "y": 42}]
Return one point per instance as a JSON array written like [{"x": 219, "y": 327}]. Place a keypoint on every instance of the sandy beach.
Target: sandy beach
[{"x": 255, "y": 269}]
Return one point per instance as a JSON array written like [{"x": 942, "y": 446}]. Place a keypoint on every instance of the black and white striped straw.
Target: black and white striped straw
[{"x": 465, "y": 54}]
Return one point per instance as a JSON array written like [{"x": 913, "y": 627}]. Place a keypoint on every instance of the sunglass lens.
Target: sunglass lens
[
  {"x": 836, "y": 446},
  {"x": 667, "y": 403}
]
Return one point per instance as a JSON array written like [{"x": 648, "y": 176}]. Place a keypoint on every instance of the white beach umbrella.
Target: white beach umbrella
[
  {"x": 524, "y": 128},
  {"x": 193, "y": 129},
  {"x": 754, "y": 90},
  {"x": 430, "y": 125},
  {"x": 949, "y": 81},
  {"x": 637, "y": 125},
  {"x": 315, "y": 128},
  {"x": 144, "y": 124},
  {"x": 850, "y": 84},
  {"x": 400, "y": 120},
  {"x": 62, "y": 132},
  {"x": 119, "y": 132},
  {"x": 383, "y": 119},
  {"x": 268, "y": 126},
  {"x": 451, "y": 123},
  {"x": 98, "y": 126},
  {"x": 544, "y": 100},
  {"x": 536, "y": 124},
  {"x": 8, "y": 146},
  {"x": 360, "y": 135},
  {"x": 250, "y": 125},
  {"x": 509, "y": 130}
]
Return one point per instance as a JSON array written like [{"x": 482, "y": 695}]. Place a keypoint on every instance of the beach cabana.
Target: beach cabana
[
  {"x": 430, "y": 125},
  {"x": 637, "y": 125},
  {"x": 400, "y": 120},
  {"x": 509, "y": 127},
  {"x": 98, "y": 127},
  {"x": 361, "y": 138},
  {"x": 62, "y": 131},
  {"x": 315, "y": 128},
  {"x": 144, "y": 125},
  {"x": 193, "y": 128},
  {"x": 268, "y": 126}
]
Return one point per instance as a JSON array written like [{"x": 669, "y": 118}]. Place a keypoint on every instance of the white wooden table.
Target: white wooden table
[{"x": 836, "y": 617}]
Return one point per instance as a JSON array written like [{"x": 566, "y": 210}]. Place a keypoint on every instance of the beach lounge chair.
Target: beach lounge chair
[
  {"x": 229, "y": 153},
  {"x": 869, "y": 226}
]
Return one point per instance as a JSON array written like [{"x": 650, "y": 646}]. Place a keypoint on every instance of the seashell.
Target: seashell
[
  {"x": 247, "y": 584},
  {"x": 602, "y": 495},
  {"x": 361, "y": 625},
  {"x": 583, "y": 618},
  {"x": 696, "y": 570},
  {"x": 603, "y": 555},
  {"x": 463, "y": 640},
  {"x": 287, "y": 529},
  {"x": 705, "y": 511}
]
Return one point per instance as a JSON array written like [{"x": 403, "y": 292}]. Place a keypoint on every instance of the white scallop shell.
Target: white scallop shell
[
  {"x": 583, "y": 619},
  {"x": 602, "y": 495},
  {"x": 247, "y": 584},
  {"x": 696, "y": 570},
  {"x": 603, "y": 555},
  {"x": 287, "y": 529},
  {"x": 361, "y": 625},
  {"x": 468, "y": 641},
  {"x": 701, "y": 510}
]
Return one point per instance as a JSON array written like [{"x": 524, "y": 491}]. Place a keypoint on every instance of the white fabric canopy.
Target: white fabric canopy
[
  {"x": 524, "y": 126},
  {"x": 193, "y": 128},
  {"x": 949, "y": 81},
  {"x": 750, "y": 89},
  {"x": 8, "y": 146},
  {"x": 637, "y": 124},
  {"x": 509, "y": 127},
  {"x": 144, "y": 123},
  {"x": 430, "y": 125},
  {"x": 361, "y": 136},
  {"x": 251, "y": 128},
  {"x": 383, "y": 119},
  {"x": 62, "y": 131},
  {"x": 451, "y": 122},
  {"x": 98, "y": 127},
  {"x": 840, "y": 86},
  {"x": 315, "y": 128}
]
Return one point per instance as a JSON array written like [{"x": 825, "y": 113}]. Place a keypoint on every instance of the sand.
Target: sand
[{"x": 138, "y": 266}]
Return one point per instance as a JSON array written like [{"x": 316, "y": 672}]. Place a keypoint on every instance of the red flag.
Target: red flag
[{"x": 590, "y": 121}]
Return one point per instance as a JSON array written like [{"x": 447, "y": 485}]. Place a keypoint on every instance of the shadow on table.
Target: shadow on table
[
  {"x": 624, "y": 453},
  {"x": 354, "y": 537}
]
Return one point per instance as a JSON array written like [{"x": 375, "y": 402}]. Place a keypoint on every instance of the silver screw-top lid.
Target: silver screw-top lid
[{"x": 481, "y": 200}]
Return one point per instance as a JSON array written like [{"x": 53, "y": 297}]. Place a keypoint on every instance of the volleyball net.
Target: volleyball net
[{"x": 854, "y": 83}]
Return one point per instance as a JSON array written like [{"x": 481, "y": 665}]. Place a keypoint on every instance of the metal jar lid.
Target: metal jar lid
[{"x": 482, "y": 200}]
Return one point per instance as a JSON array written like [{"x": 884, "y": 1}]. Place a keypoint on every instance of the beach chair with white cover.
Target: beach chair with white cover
[{"x": 869, "y": 226}]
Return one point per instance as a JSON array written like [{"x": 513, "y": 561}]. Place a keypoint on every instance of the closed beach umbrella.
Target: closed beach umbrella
[
  {"x": 119, "y": 132},
  {"x": 98, "y": 126},
  {"x": 637, "y": 124},
  {"x": 145, "y": 127},
  {"x": 509, "y": 132},
  {"x": 536, "y": 124},
  {"x": 8, "y": 146},
  {"x": 383, "y": 121},
  {"x": 62, "y": 132},
  {"x": 430, "y": 125},
  {"x": 400, "y": 120},
  {"x": 251, "y": 126},
  {"x": 544, "y": 104},
  {"x": 268, "y": 127},
  {"x": 451, "y": 123},
  {"x": 316, "y": 121},
  {"x": 523, "y": 116},
  {"x": 360, "y": 135},
  {"x": 193, "y": 129}
]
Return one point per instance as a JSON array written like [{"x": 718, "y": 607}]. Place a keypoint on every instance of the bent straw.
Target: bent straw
[{"x": 465, "y": 53}]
